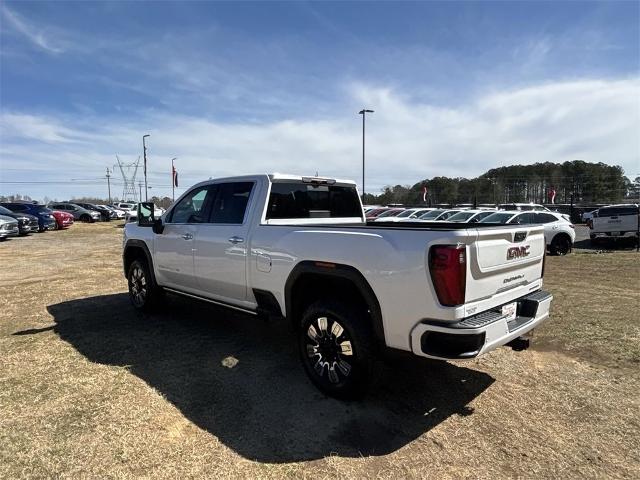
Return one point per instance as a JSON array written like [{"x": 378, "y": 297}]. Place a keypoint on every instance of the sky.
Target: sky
[{"x": 238, "y": 88}]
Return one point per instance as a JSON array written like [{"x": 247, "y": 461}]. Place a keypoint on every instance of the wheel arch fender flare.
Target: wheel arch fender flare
[
  {"x": 138, "y": 245},
  {"x": 333, "y": 271}
]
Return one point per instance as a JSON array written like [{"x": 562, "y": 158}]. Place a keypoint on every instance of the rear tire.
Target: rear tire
[
  {"x": 337, "y": 348},
  {"x": 145, "y": 295},
  {"x": 560, "y": 245}
]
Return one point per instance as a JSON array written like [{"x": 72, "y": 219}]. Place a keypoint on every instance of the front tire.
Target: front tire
[
  {"x": 337, "y": 348},
  {"x": 144, "y": 293}
]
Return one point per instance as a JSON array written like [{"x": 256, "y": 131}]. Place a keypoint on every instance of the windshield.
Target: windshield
[
  {"x": 389, "y": 213},
  {"x": 406, "y": 213},
  {"x": 431, "y": 215},
  {"x": 41, "y": 208},
  {"x": 501, "y": 218},
  {"x": 461, "y": 216},
  {"x": 446, "y": 215},
  {"x": 5, "y": 211}
]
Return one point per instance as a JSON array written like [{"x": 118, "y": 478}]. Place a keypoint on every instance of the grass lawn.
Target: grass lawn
[{"x": 89, "y": 388}]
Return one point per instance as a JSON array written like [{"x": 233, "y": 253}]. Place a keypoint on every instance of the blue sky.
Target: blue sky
[{"x": 252, "y": 87}]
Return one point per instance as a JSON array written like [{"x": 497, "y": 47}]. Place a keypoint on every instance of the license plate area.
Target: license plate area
[{"x": 509, "y": 311}]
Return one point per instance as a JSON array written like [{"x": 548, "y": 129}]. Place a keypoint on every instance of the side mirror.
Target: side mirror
[{"x": 145, "y": 214}]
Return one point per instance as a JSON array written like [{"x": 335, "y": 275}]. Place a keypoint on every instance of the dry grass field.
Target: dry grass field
[{"x": 90, "y": 389}]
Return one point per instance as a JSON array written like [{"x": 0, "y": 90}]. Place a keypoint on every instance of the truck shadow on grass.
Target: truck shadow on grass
[{"x": 264, "y": 408}]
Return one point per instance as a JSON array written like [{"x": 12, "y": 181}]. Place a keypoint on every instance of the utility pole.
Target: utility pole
[
  {"x": 363, "y": 112},
  {"x": 109, "y": 185},
  {"x": 140, "y": 187},
  {"x": 144, "y": 153}
]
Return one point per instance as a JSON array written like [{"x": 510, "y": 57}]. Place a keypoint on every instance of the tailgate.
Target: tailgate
[{"x": 504, "y": 258}]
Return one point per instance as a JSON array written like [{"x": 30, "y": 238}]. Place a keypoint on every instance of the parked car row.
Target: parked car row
[
  {"x": 559, "y": 232},
  {"x": 21, "y": 218},
  {"x": 24, "y": 218}
]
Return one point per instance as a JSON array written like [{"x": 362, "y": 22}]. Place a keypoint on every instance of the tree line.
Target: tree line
[{"x": 572, "y": 182}]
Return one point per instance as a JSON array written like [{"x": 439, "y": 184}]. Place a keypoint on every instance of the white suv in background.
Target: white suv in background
[{"x": 559, "y": 233}]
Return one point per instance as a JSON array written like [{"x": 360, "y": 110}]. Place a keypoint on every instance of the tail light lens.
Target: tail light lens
[{"x": 448, "y": 268}]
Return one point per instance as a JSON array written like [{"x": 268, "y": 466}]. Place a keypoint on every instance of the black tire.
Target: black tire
[
  {"x": 86, "y": 218},
  {"x": 338, "y": 352},
  {"x": 560, "y": 245},
  {"x": 145, "y": 295}
]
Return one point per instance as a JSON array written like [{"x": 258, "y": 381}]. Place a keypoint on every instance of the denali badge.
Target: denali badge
[{"x": 518, "y": 252}]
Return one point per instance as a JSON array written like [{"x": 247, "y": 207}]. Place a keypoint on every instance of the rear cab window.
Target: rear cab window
[
  {"x": 298, "y": 200},
  {"x": 617, "y": 211}
]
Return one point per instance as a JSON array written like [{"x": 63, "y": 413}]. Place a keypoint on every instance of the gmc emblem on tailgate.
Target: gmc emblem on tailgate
[{"x": 518, "y": 252}]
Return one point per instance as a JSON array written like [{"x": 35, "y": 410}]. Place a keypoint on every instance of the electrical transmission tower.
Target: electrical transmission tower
[{"x": 129, "y": 179}]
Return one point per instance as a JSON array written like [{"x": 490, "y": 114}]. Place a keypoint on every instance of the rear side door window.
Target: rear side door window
[
  {"x": 545, "y": 218},
  {"x": 230, "y": 204},
  {"x": 523, "y": 219}
]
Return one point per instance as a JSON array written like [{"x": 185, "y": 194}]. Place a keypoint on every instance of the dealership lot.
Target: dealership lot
[{"x": 89, "y": 388}]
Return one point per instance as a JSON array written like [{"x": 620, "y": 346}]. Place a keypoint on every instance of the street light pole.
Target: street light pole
[
  {"x": 140, "y": 188},
  {"x": 363, "y": 112},
  {"x": 144, "y": 152}
]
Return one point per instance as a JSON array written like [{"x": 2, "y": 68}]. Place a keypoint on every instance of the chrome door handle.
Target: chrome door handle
[
  {"x": 236, "y": 239},
  {"x": 187, "y": 236}
]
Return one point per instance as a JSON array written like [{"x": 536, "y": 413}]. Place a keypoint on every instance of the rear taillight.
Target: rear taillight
[{"x": 448, "y": 268}]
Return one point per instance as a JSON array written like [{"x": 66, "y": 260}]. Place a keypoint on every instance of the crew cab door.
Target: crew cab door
[
  {"x": 174, "y": 247},
  {"x": 222, "y": 245}
]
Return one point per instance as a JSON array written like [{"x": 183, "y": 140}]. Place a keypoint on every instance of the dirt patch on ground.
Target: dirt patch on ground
[{"x": 88, "y": 388}]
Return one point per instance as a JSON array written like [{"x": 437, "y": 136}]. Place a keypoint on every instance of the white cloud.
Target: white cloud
[
  {"x": 35, "y": 35},
  {"x": 592, "y": 120}
]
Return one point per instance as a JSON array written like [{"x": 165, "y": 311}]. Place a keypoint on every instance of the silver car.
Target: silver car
[{"x": 8, "y": 227}]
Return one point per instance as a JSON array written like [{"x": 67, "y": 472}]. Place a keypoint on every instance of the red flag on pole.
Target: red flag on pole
[
  {"x": 552, "y": 195},
  {"x": 424, "y": 193},
  {"x": 175, "y": 176}
]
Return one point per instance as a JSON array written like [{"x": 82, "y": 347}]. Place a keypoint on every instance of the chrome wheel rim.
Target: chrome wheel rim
[
  {"x": 138, "y": 286},
  {"x": 329, "y": 349}
]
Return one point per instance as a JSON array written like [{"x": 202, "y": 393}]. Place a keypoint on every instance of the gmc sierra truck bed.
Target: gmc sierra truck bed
[{"x": 299, "y": 248}]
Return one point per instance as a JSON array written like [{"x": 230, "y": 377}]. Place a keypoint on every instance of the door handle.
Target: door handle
[
  {"x": 235, "y": 239},
  {"x": 187, "y": 236}
]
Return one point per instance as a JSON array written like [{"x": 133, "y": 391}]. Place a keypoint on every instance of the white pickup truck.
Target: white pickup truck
[{"x": 300, "y": 248}]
